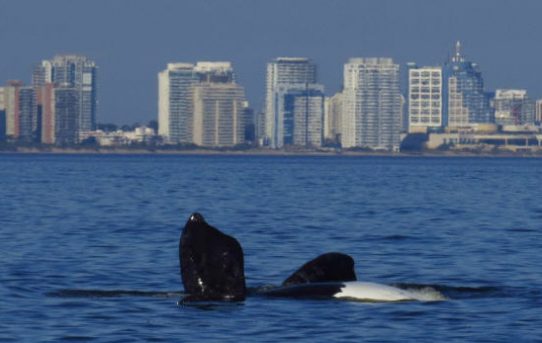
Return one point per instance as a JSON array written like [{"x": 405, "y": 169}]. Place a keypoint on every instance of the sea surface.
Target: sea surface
[{"x": 89, "y": 246}]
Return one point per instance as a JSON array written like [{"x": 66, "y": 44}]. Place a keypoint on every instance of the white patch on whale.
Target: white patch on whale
[{"x": 369, "y": 291}]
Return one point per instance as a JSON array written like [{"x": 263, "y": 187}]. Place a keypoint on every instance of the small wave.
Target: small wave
[
  {"x": 427, "y": 294},
  {"x": 396, "y": 238},
  {"x": 520, "y": 229},
  {"x": 94, "y": 293},
  {"x": 455, "y": 292}
]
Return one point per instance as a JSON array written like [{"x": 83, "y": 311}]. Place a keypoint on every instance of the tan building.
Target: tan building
[
  {"x": 11, "y": 105},
  {"x": 201, "y": 104},
  {"x": 218, "y": 114},
  {"x": 47, "y": 100}
]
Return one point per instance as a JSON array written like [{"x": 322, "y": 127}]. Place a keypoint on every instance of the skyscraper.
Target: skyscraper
[
  {"x": 424, "y": 98},
  {"x": 218, "y": 106},
  {"x": 293, "y": 98},
  {"x": 79, "y": 73},
  {"x": 201, "y": 104},
  {"x": 302, "y": 110},
  {"x": 20, "y": 111},
  {"x": 11, "y": 105},
  {"x": 175, "y": 102},
  {"x": 46, "y": 109},
  {"x": 466, "y": 103},
  {"x": 66, "y": 110},
  {"x": 219, "y": 114},
  {"x": 372, "y": 104},
  {"x": 27, "y": 114}
]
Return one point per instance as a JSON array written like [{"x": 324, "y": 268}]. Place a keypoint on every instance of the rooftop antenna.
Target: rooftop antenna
[{"x": 457, "y": 57}]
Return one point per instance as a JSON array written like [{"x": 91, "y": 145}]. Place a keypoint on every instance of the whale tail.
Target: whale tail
[
  {"x": 329, "y": 267},
  {"x": 212, "y": 264}
]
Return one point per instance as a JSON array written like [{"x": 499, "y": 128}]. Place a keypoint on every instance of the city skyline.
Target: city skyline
[
  {"x": 130, "y": 55},
  {"x": 202, "y": 104}
]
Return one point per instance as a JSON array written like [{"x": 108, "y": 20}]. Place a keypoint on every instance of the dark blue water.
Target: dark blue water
[{"x": 88, "y": 246}]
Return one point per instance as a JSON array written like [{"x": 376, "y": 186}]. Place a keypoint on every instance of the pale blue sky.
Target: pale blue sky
[{"x": 132, "y": 40}]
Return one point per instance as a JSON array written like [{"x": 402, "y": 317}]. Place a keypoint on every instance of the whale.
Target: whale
[
  {"x": 211, "y": 263},
  {"x": 212, "y": 269}
]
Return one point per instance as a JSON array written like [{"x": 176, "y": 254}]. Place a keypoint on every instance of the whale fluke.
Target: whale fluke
[
  {"x": 212, "y": 265},
  {"x": 330, "y": 267}
]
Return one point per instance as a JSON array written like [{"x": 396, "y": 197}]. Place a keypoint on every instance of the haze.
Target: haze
[{"x": 132, "y": 40}]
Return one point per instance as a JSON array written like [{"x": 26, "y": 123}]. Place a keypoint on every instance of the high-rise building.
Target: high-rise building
[
  {"x": 219, "y": 114},
  {"x": 175, "y": 102},
  {"x": 513, "y": 107},
  {"x": 333, "y": 117},
  {"x": 27, "y": 114},
  {"x": 218, "y": 106},
  {"x": 466, "y": 103},
  {"x": 302, "y": 112},
  {"x": 372, "y": 104},
  {"x": 424, "y": 98},
  {"x": 66, "y": 114},
  {"x": 295, "y": 75},
  {"x": 19, "y": 111},
  {"x": 404, "y": 86},
  {"x": 45, "y": 94},
  {"x": 79, "y": 73},
  {"x": 201, "y": 104},
  {"x": 11, "y": 105}
]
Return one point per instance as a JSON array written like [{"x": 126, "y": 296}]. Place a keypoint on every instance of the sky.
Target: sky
[{"x": 132, "y": 40}]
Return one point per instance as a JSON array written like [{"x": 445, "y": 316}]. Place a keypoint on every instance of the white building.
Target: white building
[
  {"x": 513, "y": 107},
  {"x": 175, "y": 102},
  {"x": 424, "y": 98},
  {"x": 139, "y": 135},
  {"x": 372, "y": 104}
]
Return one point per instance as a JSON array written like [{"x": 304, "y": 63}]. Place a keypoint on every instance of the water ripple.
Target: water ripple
[{"x": 89, "y": 246}]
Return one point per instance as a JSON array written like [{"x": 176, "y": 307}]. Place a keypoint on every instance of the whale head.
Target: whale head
[{"x": 211, "y": 263}]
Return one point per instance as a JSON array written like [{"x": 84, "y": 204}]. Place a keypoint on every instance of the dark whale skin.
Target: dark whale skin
[
  {"x": 211, "y": 262},
  {"x": 329, "y": 267}
]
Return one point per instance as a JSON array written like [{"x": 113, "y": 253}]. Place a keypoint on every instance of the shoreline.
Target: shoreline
[{"x": 265, "y": 152}]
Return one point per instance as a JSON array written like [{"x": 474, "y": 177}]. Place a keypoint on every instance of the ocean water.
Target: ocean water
[{"x": 89, "y": 246}]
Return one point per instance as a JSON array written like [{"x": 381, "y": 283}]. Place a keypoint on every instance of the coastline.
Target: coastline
[{"x": 266, "y": 152}]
